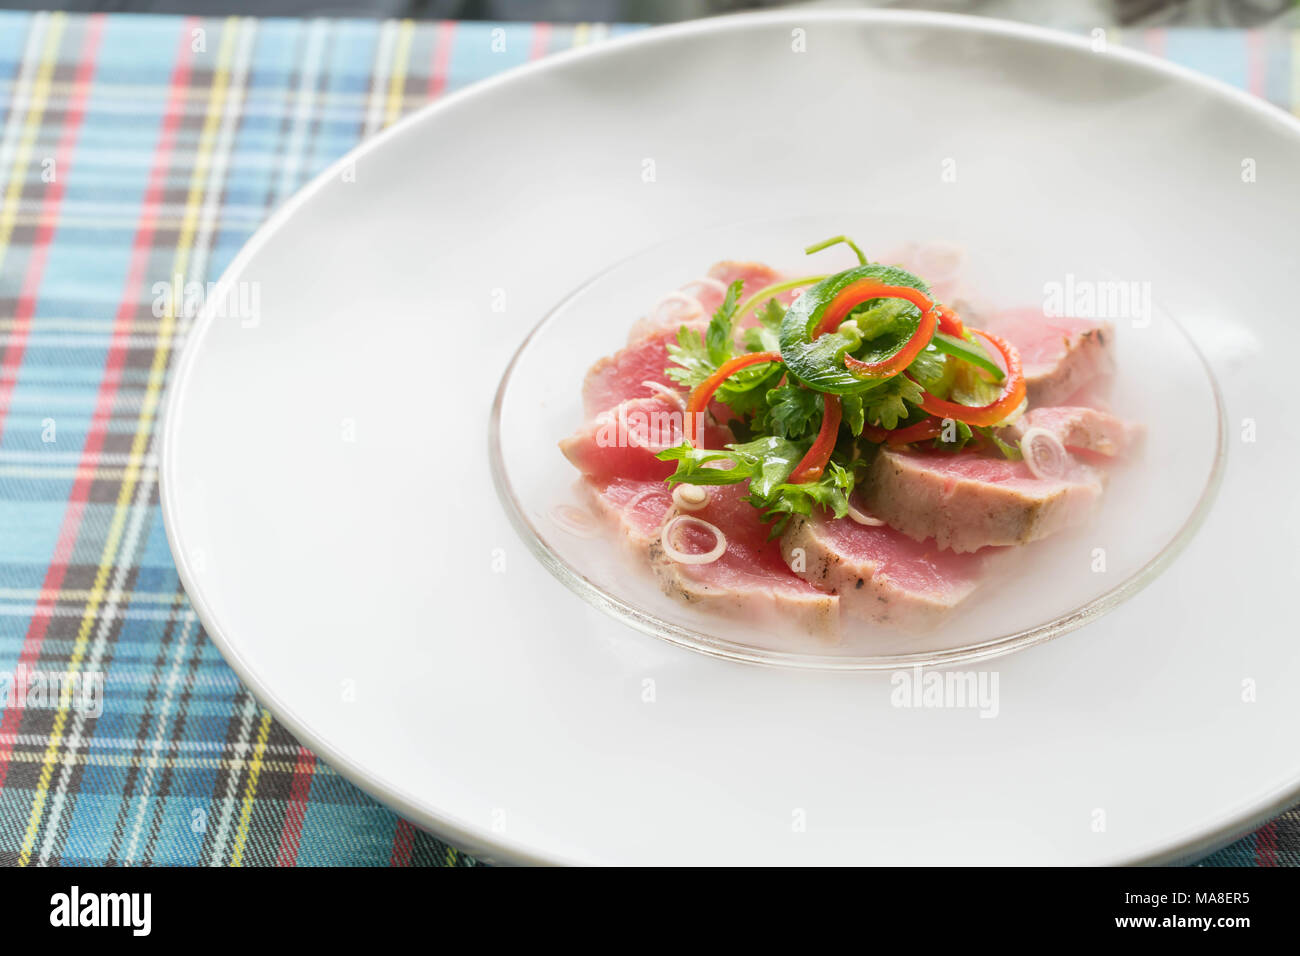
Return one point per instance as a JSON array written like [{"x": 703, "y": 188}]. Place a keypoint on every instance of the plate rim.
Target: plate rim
[{"x": 480, "y": 841}]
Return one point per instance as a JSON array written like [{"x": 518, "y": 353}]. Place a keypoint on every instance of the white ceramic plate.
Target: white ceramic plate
[{"x": 328, "y": 497}]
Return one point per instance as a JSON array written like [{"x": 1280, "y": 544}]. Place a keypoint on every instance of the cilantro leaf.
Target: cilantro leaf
[
  {"x": 719, "y": 338},
  {"x": 771, "y": 314},
  {"x": 830, "y": 492},
  {"x": 930, "y": 369},
  {"x": 791, "y": 410},
  {"x": 879, "y": 317},
  {"x": 765, "y": 337},
  {"x": 700, "y": 466},
  {"x": 690, "y": 357},
  {"x": 854, "y": 413},
  {"x": 695, "y": 357},
  {"x": 765, "y": 462},
  {"x": 743, "y": 392},
  {"x": 886, "y": 404},
  {"x": 759, "y": 339},
  {"x": 772, "y": 459}
]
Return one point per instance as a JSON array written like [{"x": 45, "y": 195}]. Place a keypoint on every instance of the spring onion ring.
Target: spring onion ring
[
  {"x": 575, "y": 520},
  {"x": 709, "y": 283},
  {"x": 668, "y": 392},
  {"x": 1049, "y": 466},
  {"x": 681, "y": 557},
  {"x": 678, "y": 296},
  {"x": 688, "y": 497},
  {"x": 861, "y": 517}
]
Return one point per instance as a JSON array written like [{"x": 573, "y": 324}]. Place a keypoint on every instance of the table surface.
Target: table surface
[{"x": 136, "y": 148}]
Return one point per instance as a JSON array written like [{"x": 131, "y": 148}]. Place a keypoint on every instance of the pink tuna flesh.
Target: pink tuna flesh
[
  {"x": 750, "y": 578},
  {"x": 966, "y": 501},
  {"x": 881, "y": 574},
  {"x": 1060, "y": 355},
  {"x": 1082, "y": 429},
  {"x": 622, "y": 442},
  {"x": 623, "y": 375},
  {"x": 635, "y": 508}
]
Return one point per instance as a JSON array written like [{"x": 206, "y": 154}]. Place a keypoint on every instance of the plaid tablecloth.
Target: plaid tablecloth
[{"x": 134, "y": 148}]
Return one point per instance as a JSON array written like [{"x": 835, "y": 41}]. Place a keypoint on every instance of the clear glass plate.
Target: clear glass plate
[{"x": 1152, "y": 506}]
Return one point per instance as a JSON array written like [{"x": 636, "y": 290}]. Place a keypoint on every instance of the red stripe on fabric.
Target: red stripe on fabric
[
  {"x": 541, "y": 41},
  {"x": 403, "y": 844},
  {"x": 80, "y": 493},
  {"x": 1266, "y": 845},
  {"x": 26, "y": 306},
  {"x": 443, "y": 43},
  {"x": 1155, "y": 42},
  {"x": 1256, "y": 62},
  {"x": 296, "y": 810}
]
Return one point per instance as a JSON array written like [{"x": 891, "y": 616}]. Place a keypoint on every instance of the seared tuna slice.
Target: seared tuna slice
[
  {"x": 1082, "y": 429},
  {"x": 694, "y": 303},
  {"x": 1060, "y": 355},
  {"x": 621, "y": 376},
  {"x": 636, "y": 508},
  {"x": 880, "y": 574},
  {"x": 966, "y": 501},
  {"x": 750, "y": 580},
  {"x": 942, "y": 263},
  {"x": 755, "y": 276},
  {"x": 622, "y": 441}
]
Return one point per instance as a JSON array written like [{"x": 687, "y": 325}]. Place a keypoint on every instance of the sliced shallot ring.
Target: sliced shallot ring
[
  {"x": 688, "y": 497},
  {"x": 1041, "y": 436},
  {"x": 709, "y": 282},
  {"x": 575, "y": 520},
  {"x": 861, "y": 517},
  {"x": 674, "y": 396},
  {"x": 679, "y": 296},
  {"x": 639, "y": 497},
  {"x": 681, "y": 557}
]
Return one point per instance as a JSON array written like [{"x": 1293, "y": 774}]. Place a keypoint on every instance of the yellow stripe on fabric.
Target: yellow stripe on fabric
[
  {"x": 232, "y": 764},
  {"x": 581, "y": 34},
  {"x": 31, "y": 129},
  {"x": 143, "y": 431},
  {"x": 250, "y": 791},
  {"x": 397, "y": 80}
]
